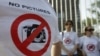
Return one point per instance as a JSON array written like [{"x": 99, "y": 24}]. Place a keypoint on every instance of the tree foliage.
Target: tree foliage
[
  {"x": 95, "y": 10},
  {"x": 89, "y": 21}
]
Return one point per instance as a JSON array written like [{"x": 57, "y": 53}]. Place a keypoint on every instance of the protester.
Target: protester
[
  {"x": 69, "y": 40},
  {"x": 28, "y": 28},
  {"x": 89, "y": 43}
]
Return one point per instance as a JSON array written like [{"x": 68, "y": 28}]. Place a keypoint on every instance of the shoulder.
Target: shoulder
[
  {"x": 62, "y": 32},
  {"x": 82, "y": 37},
  {"x": 97, "y": 38}
]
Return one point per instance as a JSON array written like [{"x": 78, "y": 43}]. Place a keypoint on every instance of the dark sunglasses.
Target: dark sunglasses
[{"x": 89, "y": 30}]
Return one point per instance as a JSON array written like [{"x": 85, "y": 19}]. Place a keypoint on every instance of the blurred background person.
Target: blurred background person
[
  {"x": 69, "y": 40},
  {"x": 89, "y": 43}
]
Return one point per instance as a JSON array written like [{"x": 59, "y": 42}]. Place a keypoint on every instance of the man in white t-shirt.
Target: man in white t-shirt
[
  {"x": 69, "y": 40},
  {"x": 90, "y": 43}
]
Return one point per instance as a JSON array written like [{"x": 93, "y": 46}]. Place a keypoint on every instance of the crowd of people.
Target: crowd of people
[{"x": 88, "y": 43}]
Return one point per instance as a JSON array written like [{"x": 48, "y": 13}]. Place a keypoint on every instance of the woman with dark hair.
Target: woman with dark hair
[
  {"x": 89, "y": 43},
  {"x": 69, "y": 40}
]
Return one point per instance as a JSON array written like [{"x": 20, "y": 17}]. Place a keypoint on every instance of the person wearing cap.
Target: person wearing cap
[
  {"x": 89, "y": 43},
  {"x": 69, "y": 40}
]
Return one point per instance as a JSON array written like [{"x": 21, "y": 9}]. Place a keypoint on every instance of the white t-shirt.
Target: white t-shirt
[
  {"x": 19, "y": 19},
  {"x": 90, "y": 45},
  {"x": 69, "y": 40}
]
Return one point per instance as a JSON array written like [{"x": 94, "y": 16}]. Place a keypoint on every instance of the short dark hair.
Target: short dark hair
[
  {"x": 89, "y": 28},
  {"x": 69, "y": 21}
]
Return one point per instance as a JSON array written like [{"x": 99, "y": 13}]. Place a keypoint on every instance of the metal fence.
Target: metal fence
[{"x": 82, "y": 12}]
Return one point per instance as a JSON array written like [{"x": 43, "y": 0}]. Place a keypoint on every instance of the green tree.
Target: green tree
[
  {"x": 95, "y": 9},
  {"x": 88, "y": 20}
]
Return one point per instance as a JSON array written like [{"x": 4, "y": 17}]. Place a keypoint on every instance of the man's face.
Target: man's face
[{"x": 68, "y": 25}]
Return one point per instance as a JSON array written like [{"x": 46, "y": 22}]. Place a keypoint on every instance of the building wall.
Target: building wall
[
  {"x": 82, "y": 12},
  {"x": 67, "y": 9}
]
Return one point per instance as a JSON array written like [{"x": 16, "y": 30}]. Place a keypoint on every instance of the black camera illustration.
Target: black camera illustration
[{"x": 40, "y": 38}]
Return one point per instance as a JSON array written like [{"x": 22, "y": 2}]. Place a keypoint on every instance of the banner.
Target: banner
[{"x": 27, "y": 28}]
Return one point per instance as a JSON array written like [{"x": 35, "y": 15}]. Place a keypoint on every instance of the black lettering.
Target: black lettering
[
  {"x": 10, "y": 3},
  {"x": 48, "y": 12},
  {"x": 14, "y": 4},
  {"x": 23, "y": 6},
  {"x": 40, "y": 10},
  {"x": 45, "y": 11},
  {"x": 30, "y": 8},
  {"x": 27, "y": 7}
]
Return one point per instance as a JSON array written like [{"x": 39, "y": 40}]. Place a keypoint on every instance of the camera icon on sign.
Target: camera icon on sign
[{"x": 27, "y": 30}]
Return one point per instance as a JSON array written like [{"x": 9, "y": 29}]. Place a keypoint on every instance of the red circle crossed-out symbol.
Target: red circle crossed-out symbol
[
  {"x": 67, "y": 40},
  {"x": 91, "y": 47},
  {"x": 22, "y": 46}
]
